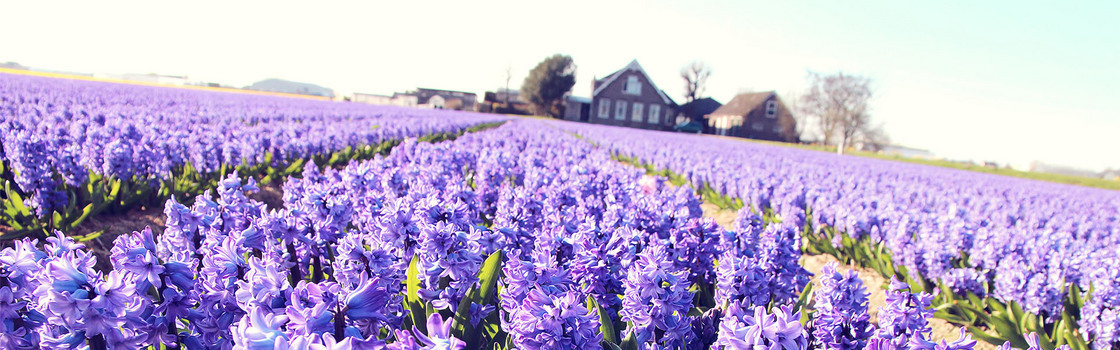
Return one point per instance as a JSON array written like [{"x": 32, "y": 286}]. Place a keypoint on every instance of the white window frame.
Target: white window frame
[
  {"x": 654, "y": 113},
  {"x": 777, "y": 128},
  {"x": 604, "y": 108},
  {"x": 637, "y": 111},
  {"x": 632, "y": 86},
  {"x": 771, "y": 109},
  {"x": 620, "y": 110},
  {"x": 757, "y": 126}
]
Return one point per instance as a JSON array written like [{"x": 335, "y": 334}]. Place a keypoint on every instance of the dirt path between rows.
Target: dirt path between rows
[{"x": 876, "y": 284}]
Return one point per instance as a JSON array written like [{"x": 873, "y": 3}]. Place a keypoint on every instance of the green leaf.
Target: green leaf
[
  {"x": 1058, "y": 334},
  {"x": 980, "y": 314},
  {"x": 89, "y": 236},
  {"x": 480, "y": 294},
  {"x": 85, "y": 213},
  {"x": 1075, "y": 296},
  {"x": 416, "y": 310},
  {"x": 606, "y": 326},
  {"x": 295, "y": 166},
  {"x": 1007, "y": 330},
  {"x": 1068, "y": 334},
  {"x": 10, "y": 210},
  {"x": 975, "y": 301},
  {"x": 1029, "y": 323},
  {"x": 17, "y": 233},
  {"x": 942, "y": 314},
  {"x": 488, "y": 276},
  {"x": 1017, "y": 314},
  {"x": 1075, "y": 342},
  {"x": 629, "y": 343},
  {"x": 1044, "y": 340},
  {"x": 704, "y": 296},
  {"x": 609, "y": 346},
  {"x": 17, "y": 202},
  {"x": 114, "y": 190},
  {"x": 996, "y": 306},
  {"x": 985, "y": 336},
  {"x": 806, "y": 295}
]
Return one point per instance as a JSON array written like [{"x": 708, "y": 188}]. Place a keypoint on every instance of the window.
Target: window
[
  {"x": 632, "y": 86},
  {"x": 757, "y": 126},
  {"x": 771, "y": 109},
  {"x": 654, "y": 114},
  {"x": 778, "y": 129},
  {"x": 636, "y": 112},
  {"x": 620, "y": 110},
  {"x": 604, "y": 108}
]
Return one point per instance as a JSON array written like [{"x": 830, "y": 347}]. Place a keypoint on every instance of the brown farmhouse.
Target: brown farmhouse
[
  {"x": 759, "y": 115},
  {"x": 629, "y": 98}
]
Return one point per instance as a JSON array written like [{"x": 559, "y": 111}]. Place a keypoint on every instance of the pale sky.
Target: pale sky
[{"x": 1009, "y": 81}]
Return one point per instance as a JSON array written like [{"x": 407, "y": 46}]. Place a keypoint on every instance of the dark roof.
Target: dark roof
[
  {"x": 699, "y": 108},
  {"x": 688, "y": 126},
  {"x": 601, "y": 84},
  {"x": 743, "y": 103},
  {"x": 453, "y": 92}
]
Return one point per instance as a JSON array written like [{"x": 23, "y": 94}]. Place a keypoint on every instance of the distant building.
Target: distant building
[
  {"x": 422, "y": 98},
  {"x": 504, "y": 101},
  {"x": 397, "y": 99},
  {"x": 150, "y": 78},
  {"x": 504, "y": 96},
  {"x": 759, "y": 115},
  {"x": 12, "y": 65},
  {"x": 577, "y": 108},
  {"x": 628, "y": 97},
  {"x": 690, "y": 116},
  {"x": 1110, "y": 174},
  {"x": 157, "y": 79},
  {"x": 291, "y": 87},
  {"x": 1040, "y": 167},
  {"x": 445, "y": 99},
  {"x": 907, "y": 152}
]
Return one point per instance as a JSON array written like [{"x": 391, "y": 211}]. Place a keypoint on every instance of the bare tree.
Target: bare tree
[
  {"x": 695, "y": 77},
  {"x": 509, "y": 75},
  {"x": 839, "y": 103},
  {"x": 874, "y": 138},
  {"x": 800, "y": 120}
]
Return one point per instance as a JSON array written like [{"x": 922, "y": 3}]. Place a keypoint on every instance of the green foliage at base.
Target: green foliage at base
[
  {"x": 986, "y": 318},
  {"x": 110, "y": 195}
]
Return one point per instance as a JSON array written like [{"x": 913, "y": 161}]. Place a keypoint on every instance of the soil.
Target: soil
[
  {"x": 876, "y": 287},
  {"x": 876, "y": 284},
  {"x": 723, "y": 217},
  {"x": 112, "y": 225},
  {"x": 272, "y": 195}
]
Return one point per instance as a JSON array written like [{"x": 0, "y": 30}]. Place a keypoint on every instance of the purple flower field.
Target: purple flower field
[
  {"x": 1013, "y": 239},
  {"x": 521, "y": 236},
  {"x": 66, "y": 140}
]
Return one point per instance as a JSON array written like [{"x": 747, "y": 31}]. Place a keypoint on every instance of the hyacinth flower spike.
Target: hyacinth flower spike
[{"x": 439, "y": 335}]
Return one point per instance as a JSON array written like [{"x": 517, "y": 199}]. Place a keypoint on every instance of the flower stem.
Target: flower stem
[
  {"x": 97, "y": 342},
  {"x": 339, "y": 325}
]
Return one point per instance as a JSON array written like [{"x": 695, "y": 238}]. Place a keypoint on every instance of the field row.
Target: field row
[
  {"x": 521, "y": 236},
  {"x": 72, "y": 149},
  {"x": 1008, "y": 256}
]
